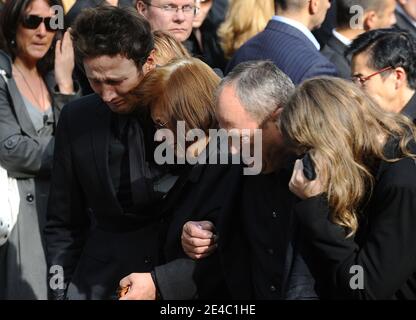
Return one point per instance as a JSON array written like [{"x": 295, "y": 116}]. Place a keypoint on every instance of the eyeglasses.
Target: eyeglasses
[
  {"x": 362, "y": 80},
  {"x": 33, "y": 22},
  {"x": 173, "y": 8}
]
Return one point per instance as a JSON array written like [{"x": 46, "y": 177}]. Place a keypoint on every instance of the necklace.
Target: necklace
[{"x": 41, "y": 105}]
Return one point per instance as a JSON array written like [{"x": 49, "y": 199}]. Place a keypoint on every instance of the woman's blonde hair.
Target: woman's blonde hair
[
  {"x": 346, "y": 132},
  {"x": 168, "y": 48},
  {"x": 184, "y": 89},
  {"x": 244, "y": 19}
]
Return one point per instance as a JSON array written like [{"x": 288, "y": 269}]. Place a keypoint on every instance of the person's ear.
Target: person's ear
[
  {"x": 141, "y": 7},
  {"x": 313, "y": 6},
  {"x": 400, "y": 78},
  {"x": 370, "y": 20},
  {"x": 276, "y": 113},
  {"x": 150, "y": 63}
]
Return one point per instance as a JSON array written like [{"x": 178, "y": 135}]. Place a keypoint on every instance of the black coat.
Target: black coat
[
  {"x": 334, "y": 50},
  {"x": 405, "y": 24},
  {"x": 87, "y": 232},
  {"x": 213, "y": 193},
  {"x": 212, "y": 53},
  {"x": 385, "y": 243},
  {"x": 208, "y": 192},
  {"x": 410, "y": 109}
]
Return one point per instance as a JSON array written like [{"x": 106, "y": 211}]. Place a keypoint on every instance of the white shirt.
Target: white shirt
[
  {"x": 341, "y": 38},
  {"x": 301, "y": 27}
]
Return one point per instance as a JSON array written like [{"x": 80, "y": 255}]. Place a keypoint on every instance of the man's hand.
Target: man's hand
[
  {"x": 141, "y": 287},
  {"x": 198, "y": 239}
]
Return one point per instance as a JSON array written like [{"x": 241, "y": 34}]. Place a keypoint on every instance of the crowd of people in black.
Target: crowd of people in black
[{"x": 89, "y": 91}]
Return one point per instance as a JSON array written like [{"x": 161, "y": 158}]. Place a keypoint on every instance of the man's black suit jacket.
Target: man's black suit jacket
[
  {"x": 334, "y": 50},
  {"x": 87, "y": 232},
  {"x": 405, "y": 24}
]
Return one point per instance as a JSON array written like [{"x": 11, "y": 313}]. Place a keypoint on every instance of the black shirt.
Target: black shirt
[
  {"x": 119, "y": 161},
  {"x": 267, "y": 203},
  {"x": 119, "y": 164}
]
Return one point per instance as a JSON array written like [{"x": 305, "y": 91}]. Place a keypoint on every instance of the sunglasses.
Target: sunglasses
[{"x": 33, "y": 22}]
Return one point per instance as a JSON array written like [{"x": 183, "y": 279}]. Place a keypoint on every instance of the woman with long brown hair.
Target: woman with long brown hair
[{"x": 359, "y": 215}]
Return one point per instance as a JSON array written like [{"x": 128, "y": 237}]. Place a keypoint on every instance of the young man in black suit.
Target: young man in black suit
[{"x": 101, "y": 218}]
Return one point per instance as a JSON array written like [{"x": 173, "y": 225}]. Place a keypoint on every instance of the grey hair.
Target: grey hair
[{"x": 260, "y": 86}]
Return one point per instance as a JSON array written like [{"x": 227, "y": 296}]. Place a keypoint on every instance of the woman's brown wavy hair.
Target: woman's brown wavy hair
[
  {"x": 184, "y": 88},
  {"x": 345, "y": 132}
]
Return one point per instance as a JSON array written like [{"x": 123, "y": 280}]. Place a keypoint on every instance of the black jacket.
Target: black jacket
[
  {"x": 404, "y": 23},
  {"x": 385, "y": 243},
  {"x": 207, "y": 192},
  {"x": 410, "y": 109},
  {"x": 334, "y": 50},
  {"x": 87, "y": 232},
  {"x": 213, "y": 192},
  {"x": 212, "y": 53}
]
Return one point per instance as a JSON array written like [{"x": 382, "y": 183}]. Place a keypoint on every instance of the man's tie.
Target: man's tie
[{"x": 140, "y": 175}]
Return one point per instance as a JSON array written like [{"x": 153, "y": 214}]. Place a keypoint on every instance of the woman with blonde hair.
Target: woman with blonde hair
[
  {"x": 244, "y": 19},
  {"x": 184, "y": 91},
  {"x": 359, "y": 215},
  {"x": 168, "y": 48}
]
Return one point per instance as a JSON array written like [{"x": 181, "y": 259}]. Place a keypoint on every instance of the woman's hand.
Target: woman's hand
[
  {"x": 301, "y": 186},
  {"x": 64, "y": 64}
]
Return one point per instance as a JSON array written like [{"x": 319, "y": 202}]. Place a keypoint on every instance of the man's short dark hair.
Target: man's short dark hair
[
  {"x": 388, "y": 48},
  {"x": 111, "y": 31},
  {"x": 343, "y": 9}
]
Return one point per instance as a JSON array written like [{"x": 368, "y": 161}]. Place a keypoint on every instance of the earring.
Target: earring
[{"x": 13, "y": 43}]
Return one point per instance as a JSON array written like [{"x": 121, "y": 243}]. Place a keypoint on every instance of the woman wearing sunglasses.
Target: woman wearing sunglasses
[
  {"x": 31, "y": 97},
  {"x": 358, "y": 217}
]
